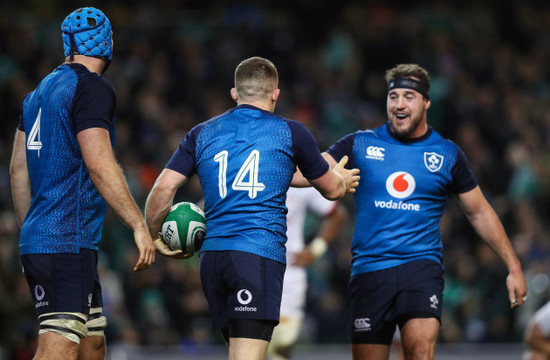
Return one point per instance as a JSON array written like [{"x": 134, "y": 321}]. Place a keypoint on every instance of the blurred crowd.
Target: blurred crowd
[{"x": 173, "y": 68}]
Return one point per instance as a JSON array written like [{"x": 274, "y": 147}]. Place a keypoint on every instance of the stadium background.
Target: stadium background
[{"x": 173, "y": 68}]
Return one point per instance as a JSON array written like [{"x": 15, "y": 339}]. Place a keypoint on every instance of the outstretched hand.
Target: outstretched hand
[{"x": 351, "y": 176}]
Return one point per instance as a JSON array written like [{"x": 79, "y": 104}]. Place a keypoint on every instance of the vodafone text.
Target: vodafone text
[{"x": 394, "y": 205}]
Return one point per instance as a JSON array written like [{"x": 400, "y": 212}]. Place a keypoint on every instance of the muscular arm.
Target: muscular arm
[
  {"x": 159, "y": 201},
  {"x": 486, "y": 223},
  {"x": 109, "y": 180},
  {"x": 19, "y": 174}
]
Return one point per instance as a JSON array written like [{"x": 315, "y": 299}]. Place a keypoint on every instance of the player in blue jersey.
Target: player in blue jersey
[
  {"x": 63, "y": 176},
  {"x": 245, "y": 159},
  {"x": 409, "y": 172}
]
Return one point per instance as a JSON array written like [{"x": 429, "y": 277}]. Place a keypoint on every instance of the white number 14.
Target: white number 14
[{"x": 249, "y": 169}]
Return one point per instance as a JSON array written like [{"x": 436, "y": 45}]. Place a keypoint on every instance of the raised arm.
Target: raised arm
[
  {"x": 487, "y": 224},
  {"x": 109, "y": 180}
]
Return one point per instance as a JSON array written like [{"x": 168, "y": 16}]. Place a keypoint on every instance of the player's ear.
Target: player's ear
[
  {"x": 234, "y": 94},
  {"x": 427, "y": 102},
  {"x": 275, "y": 95}
]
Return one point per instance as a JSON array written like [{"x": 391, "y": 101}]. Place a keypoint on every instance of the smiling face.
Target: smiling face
[{"x": 406, "y": 110}]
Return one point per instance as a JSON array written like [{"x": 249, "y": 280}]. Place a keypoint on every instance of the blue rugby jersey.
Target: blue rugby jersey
[
  {"x": 245, "y": 160},
  {"x": 402, "y": 194},
  {"x": 66, "y": 211}
]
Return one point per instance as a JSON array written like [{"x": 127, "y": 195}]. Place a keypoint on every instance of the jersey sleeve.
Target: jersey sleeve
[
  {"x": 184, "y": 158},
  {"x": 342, "y": 147},
  {"x": 462, "y": 174},
  {"x": 94, "y": 103},
  {"x": 307, "y": 154}
]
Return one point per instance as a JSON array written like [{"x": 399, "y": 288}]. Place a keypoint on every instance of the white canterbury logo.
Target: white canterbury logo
[
  {"x": 376, "y": 153},
  {"x": 362, "y": 324}
]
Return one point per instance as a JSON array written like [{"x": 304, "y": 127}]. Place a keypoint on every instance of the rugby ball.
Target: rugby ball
[{"x": 184, "y": 227}]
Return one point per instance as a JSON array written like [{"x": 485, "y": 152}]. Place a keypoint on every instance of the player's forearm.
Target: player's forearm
[
  {"x": 19, "y": 177},
  {"x": 21, "y": 194},
  {"x": 490, "y": 229},
  {"x": 333, "y": 223},
  {"x": 111, "y": 184},
  {"x": 157, "y": 207}
]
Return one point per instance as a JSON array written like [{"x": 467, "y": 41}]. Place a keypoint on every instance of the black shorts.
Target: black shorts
[
  {"x": 241, "y": 285},
  {"x": 381, "y": 300},
  {"x": 63, "y": 282}
]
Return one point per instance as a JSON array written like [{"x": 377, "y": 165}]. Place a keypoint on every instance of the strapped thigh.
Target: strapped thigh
[
  {"x": 69, "y": 325},
  {"x": 96, "y": 323}
]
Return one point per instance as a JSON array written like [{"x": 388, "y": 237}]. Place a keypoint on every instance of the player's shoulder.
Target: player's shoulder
[
  {"x": 90, "y": 80},
  {"x": 440, "y": 140}
]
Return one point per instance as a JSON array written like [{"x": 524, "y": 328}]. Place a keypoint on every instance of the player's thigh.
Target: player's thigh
[
  {"x": 246, "y": 349},
  {"x": 63, "y": 287},
  {"x": 419, "y": 333}
]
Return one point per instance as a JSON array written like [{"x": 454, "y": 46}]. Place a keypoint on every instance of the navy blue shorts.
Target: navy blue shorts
[
  {"x": 241, "y": 285},
  {"x": 63, "y": 282},
  {"x": 381, "y": 300}
]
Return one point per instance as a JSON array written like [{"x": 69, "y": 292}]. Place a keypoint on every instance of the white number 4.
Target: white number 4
[
  {"x": 249, "y": 170},
  {"x": 33, "y": 139}
]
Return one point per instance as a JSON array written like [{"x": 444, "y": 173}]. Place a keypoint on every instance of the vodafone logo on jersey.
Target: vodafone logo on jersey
[{"x": 400, "y": 184}]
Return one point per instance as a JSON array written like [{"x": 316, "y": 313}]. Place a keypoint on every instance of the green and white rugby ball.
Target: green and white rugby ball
[{"x": 184, "y": 227}]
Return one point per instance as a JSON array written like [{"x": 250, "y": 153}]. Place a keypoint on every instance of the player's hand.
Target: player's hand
[
  {"x": 351, "y": 176},
  {"x": 517, "y": 289},
  {"x": 163, "y": 248},
  {"x": 146, "y": 249},
  {"x": 304, "y": 258}
]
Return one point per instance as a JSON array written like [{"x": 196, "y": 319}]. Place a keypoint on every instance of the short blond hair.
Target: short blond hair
[{"x": 256, "y": 77}]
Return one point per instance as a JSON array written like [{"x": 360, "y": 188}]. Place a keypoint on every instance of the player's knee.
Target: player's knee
[
  {"x": 96, "y": 323},
  {"x": 419, "y": 351},
  {"x": 72, "y": 326}
]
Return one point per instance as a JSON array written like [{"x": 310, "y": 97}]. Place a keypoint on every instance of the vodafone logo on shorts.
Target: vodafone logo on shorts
[{"x": 400, "y": 184}]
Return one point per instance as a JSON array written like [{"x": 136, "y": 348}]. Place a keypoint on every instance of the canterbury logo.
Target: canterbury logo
[
  {"x": 376, "y": 153},
  {"x": 362, "y": 324}
]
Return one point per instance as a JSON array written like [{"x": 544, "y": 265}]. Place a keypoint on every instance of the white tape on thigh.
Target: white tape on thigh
[
  {"x": 96, "y": 323},
  {"x": 69, "y": 325}
]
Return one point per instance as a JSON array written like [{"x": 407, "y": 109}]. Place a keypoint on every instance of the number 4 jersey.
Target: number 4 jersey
[
  {"x": 245, "y": 160},
  {"x": 401, "y": 196},
  {"x": 66, "y": 211}
]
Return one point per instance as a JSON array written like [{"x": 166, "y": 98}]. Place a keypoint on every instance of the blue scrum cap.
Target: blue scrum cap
[{"x": 87, "y": 31}]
